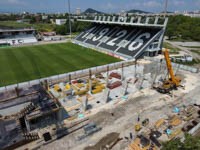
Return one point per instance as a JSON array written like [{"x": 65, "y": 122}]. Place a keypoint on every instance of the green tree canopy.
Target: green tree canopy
[
  {"x": 183, "y": 27},
  {"x": 190, "y": 143}
]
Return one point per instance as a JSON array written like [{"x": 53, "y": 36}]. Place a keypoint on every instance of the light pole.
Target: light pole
[
  {"x": 70, "y": 25},
  {"x": 166, "y": 6}
]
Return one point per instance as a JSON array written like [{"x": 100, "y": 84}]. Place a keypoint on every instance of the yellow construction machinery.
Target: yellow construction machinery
[
  {"x": 142, "y": 143},
  {"x": 137, "y": 128},
  {"x": 145, "y": 122},
  {"x": 173, "y": 82}
]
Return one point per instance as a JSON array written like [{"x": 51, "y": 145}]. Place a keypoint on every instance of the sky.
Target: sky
[{"x": 108, "y": 6}]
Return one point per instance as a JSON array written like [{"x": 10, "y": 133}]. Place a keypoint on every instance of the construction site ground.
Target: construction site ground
[{"x": 119, "y": 117}]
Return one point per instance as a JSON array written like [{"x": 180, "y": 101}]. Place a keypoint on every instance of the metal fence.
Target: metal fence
[
  {"x": 175, "y": 65},
  {"x": 71, "y": 75}
]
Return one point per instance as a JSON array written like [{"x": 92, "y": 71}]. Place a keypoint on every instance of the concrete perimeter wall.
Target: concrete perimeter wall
[{"x": 72, "y": 75}]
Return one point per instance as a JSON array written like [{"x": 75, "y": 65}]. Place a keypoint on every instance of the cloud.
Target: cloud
[
  {"x": 109, "y": 6},
  {"x": 14, "y": 2},
  {"x": 178, "y": 3},
  {"x": 152, "y": 4},
  {"x": 149, "y": 4},
  {"x": 198, "y": 3}
]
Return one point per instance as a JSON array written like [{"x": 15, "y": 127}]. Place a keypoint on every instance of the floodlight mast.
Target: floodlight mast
[
  {"x": 70, "y": 25},
  {"x": 166, "y": 7}
]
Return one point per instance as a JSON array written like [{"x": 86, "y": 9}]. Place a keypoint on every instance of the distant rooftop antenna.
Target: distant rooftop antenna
[{"x": 166, "y": 6}]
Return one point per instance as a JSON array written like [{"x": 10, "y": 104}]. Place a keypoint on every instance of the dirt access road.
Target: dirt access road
[{"x": 185, "y": 49}]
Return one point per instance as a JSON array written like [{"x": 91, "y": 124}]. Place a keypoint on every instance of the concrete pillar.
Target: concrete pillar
[
  {"x": 122, "y": 75},
  {"x": 105, "y": 96},
  {"x": 90, "y": 86},
  {"x": 141, "y": 83},
  {"x": 17, "y": 91},
  {"x": 107, "y": 81},
  {"x": 59, "y": 114},
  {"x": 84, "y": 103},
  {"x": 135, "y": 68},
  {"x": 124, "y": 88},
  {"x": 27, "y": 124},
  {"x": 70, "y": 82},
  {"x": 107, "y": 78}
]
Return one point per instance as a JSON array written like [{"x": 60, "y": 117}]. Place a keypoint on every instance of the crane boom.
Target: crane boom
[{"x": 169, "y": 66}]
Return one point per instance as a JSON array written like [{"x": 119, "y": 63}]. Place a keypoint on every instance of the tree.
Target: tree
[
  {"x": 182, "y": 26},
  {"x": 190, "y": 143},
  {"x": 33, "y": 20},
  {"x": 62, "y": 30},
  {"x": 170, "y": 32}
]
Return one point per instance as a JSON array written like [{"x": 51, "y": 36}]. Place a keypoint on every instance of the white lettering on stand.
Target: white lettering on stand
[
  {"x": 138, "y": 42},
  {"x": 119, "y": 35},
  {"x": 102, "y": 33}
]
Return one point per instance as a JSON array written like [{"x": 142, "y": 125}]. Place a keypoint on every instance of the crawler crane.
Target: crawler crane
[{"x": 172, "y": 82}]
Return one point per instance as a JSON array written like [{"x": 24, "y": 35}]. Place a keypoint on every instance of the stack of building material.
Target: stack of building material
[
  {"x": 94, "y": 83},
  {"x": 175, "y": 121},
  {"x": 115, "y": 75},
  {"x": 56, "y": 87},
  {"x": 81, "y": 92},
  {"x": 80, "y": 85},
  {"x": 95, "y": 91},
  {"x": 67, "y": 86},
  {"x": 74, "y": 82},
  {"x": 175, "y": 133},
  {"x": 159, "y": 123},
  {"x": 100, "y": 86},
  {"x": 114, "y": 85}
]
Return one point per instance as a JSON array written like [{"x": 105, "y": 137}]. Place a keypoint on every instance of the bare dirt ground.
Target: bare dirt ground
[{"x": 118, "y": 118}]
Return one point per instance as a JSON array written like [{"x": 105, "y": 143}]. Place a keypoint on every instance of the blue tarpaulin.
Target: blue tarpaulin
[
  {"x": 80, "y": 116},
  {"x": 176, "y": 109},
  {"x": 169, "y": 131},
  {"x": 124, "y": 97}
]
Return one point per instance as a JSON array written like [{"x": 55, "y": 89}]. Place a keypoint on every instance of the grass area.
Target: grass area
[
  {"x": 192, "y": 46},
  {"x": 172, "y": 49},
  {"x": 181, "y": 40},
  {"x": 196, "y": 51},
  {"x": 40, "y": 26},
  {"x": 26, "y": 63},
  {"x": 194, "y": 62}
]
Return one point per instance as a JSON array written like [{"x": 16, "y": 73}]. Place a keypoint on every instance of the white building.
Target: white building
[
  {"x": 17, "y": 36},
  {"x": 195, "y": 14},
  {"x": 123, "y": 13},
  {"x": 78, "y": 11},
  {"x": 44, "y": 17},
  {"x": 61, "y": 21}
]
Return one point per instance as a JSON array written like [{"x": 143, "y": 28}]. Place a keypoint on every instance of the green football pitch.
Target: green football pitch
[{"x": 26, "y": 63}]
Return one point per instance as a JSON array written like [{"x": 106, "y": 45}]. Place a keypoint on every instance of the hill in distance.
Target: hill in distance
[
  {"x": 167, "y": 12},
  {"x": 137, "y": 11},
  {"x": 92, "y": 11}
]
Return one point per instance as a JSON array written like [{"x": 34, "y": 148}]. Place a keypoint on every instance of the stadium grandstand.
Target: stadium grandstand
[
  {"x": 17, "y": 36},
  {"x": 127, "y": 38}
]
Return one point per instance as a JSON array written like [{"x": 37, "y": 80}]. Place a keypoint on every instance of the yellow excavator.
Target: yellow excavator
[{"x": 173, "y": 82}]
